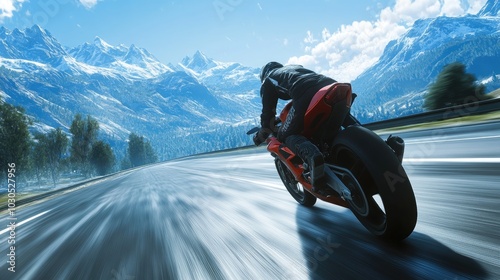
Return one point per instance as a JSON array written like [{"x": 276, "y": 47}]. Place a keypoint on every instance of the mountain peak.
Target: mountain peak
[
  {"x": 199, "y": 54},
  {"x": 99, "y": 42},
  {"x": 3, "y": 31},
  {"x": 491, "y": 8},
  {"x": 37, "y": 32},
  {"x": 17, "y": 32},
  {"x": 37, "y": 29},
  {"x": 34, "y": 43},
  {"x": 134, "y": 54},
  {"x": 199, "y": 62}
]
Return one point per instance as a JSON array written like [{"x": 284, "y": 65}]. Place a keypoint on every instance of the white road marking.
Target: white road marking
[
  {"x": 452, "y": 140},
  {"x": 462, "y": 160},
  {"x": 25, "y": 221}
]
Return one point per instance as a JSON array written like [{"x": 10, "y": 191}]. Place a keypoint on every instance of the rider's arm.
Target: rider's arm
[{"x": 269, "y": 102}]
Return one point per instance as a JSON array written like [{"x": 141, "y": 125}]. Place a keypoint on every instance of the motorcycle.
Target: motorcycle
[{"x": 363, "y": 172}]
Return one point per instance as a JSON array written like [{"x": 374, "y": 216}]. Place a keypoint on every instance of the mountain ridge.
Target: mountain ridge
[
  {"x": 128, "y": 90},
  {"x": 410, "y": 63},
  {"x": 201, "y": 104}
]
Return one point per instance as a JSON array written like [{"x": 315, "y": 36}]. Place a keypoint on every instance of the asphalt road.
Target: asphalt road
[{"x": 227, "y": 216}]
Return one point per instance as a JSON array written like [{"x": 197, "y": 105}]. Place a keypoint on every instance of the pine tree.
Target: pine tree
[
  {"x": 454, "y": 86},
  {"x": 38, "y": 158},
  {"x": 51, "y": 148},
  {"x": 136, "y": 150},
  {"x": 102, "y": 158},
  {"x": 140, "y": 151},
  {"x": 14, "y": 138},
  {"x": 84, "y": 136}
]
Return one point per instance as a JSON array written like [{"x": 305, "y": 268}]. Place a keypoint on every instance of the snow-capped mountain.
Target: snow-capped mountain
[
  {"x": 491, "y": 8},
  {"x": 410, "y": 63},
  {"x": 231, "y": 82},
  {"x": 201, "y": 104},
  {"x": 33, "y": 44},
  {"x": 127, "y": 90},
  {"x": 198, "y": 63},
  {"x": 99, "y": 53},
  {"x": 135, "y": 62}
]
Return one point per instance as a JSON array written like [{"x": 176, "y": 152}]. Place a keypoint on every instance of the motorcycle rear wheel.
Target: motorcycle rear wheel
[
  {"x": 295, "y": 188},
  {"x": 392, "y": 209}
]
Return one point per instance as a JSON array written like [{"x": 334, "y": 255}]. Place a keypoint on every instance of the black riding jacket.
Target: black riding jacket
[{"x": 287, "y": 82}]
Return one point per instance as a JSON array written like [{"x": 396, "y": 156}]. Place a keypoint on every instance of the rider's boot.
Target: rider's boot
[{"x": 315, "y": 160}]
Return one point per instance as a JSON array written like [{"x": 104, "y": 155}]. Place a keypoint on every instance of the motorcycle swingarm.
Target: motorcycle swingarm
[{"x": 334, "y": 174}]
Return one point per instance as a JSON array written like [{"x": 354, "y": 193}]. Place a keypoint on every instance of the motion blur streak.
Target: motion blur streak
[
  {"x": 25, "y": 221},
  {"x": 227, "y": 216},
  {"x": 464, "y": 160}
]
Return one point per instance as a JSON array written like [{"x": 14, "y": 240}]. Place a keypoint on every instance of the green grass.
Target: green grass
[
  {"x": 4, "y": 198},
  {"x": 495, "y": 93}
]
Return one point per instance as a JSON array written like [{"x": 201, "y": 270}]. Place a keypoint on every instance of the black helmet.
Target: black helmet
[{"x": 267, "y": 68}]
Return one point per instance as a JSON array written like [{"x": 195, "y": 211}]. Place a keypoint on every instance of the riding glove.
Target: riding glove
[{"x": 261, "y": 136}]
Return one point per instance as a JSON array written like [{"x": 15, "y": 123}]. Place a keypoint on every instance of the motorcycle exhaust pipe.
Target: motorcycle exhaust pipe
[{"x": 397, "y": 144}]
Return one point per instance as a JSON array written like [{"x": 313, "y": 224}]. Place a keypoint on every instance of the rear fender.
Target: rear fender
[{"x": 329, "y": 106}]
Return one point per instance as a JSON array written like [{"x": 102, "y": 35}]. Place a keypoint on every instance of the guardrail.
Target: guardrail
[{"x": 477, "y": 108}]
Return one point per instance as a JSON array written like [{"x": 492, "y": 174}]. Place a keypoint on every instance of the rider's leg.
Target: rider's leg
[
  {"x": 311, "y": 155},
  {"x": 289, "y": 134}
]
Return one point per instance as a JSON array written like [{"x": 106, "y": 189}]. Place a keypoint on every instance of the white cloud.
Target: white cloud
[
  {"x": 475, "y": 6},
  {"x": 88, "y": 4},
  {"x": 346, "y": 53},
  {"x": 453, "y": 8},
  {"x": 8, "y": 7},
  {"x": 310, "y": 38}
]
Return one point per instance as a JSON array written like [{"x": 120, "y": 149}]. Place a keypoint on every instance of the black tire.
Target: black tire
[
  {"x": 295, "y": 189},
  {"x": 379, "y": 172}
]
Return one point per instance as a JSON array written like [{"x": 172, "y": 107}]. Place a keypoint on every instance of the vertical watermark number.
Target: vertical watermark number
[{"x": 11, "y": 204}]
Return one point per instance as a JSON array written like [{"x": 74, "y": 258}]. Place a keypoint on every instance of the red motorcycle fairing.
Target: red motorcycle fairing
[
  {"x": 321, "y": 106},
  {"x": 294, "y": 164},
  {"x": 318, "y": 112},
  {"x": 336, "y": 97}
]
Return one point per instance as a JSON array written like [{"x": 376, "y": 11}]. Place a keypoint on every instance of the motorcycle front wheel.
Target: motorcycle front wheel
[{"x": 295, "y": 188}]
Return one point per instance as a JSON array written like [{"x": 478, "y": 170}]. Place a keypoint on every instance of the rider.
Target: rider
[{"x": 300, "y": 85}]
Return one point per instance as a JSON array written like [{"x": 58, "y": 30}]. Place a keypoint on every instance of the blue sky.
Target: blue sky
[{"x": 338, "y": 38}]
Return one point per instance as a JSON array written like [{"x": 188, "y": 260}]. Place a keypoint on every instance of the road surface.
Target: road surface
[{"x": 228, "y": 216}]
